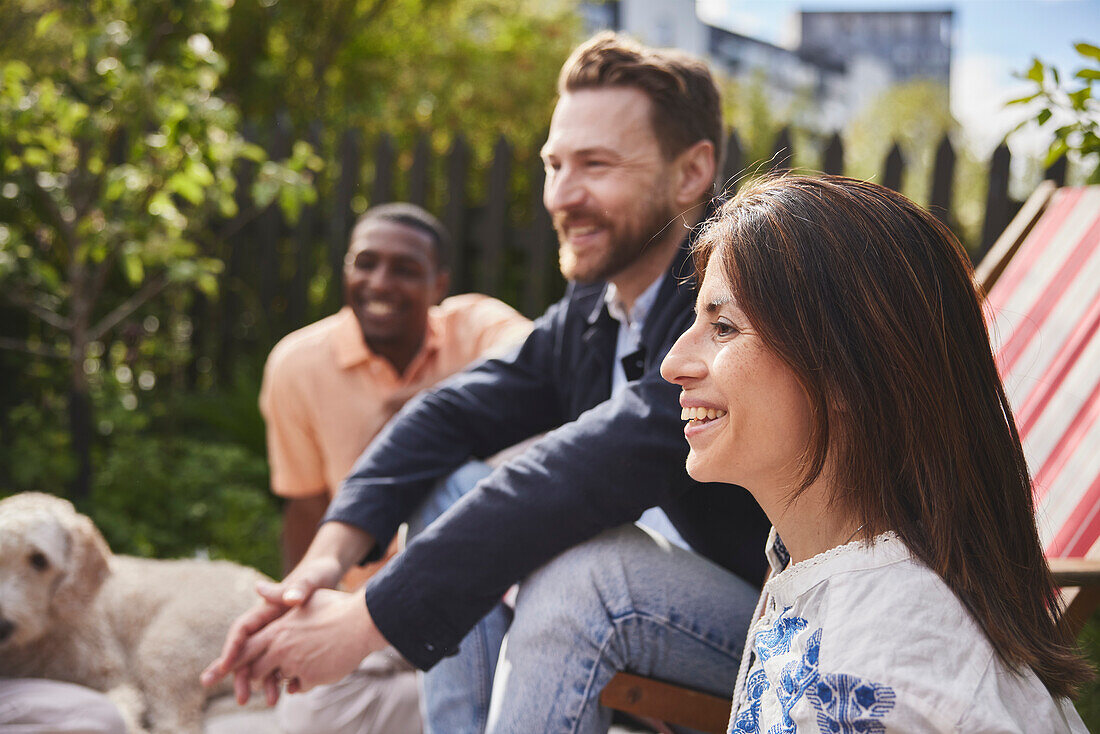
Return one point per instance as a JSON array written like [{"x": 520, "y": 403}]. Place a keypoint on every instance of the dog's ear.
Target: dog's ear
[{"x": 86, "y": 568}]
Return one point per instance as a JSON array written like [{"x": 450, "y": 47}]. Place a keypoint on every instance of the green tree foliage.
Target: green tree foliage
[
  {"x": 480, "y": 67},
  {"x": 753, "y": 114},
  {"x": 917, "y": 115},
  {"x": 117, "y": 153},
  {"x": 1070, "y": 111}
]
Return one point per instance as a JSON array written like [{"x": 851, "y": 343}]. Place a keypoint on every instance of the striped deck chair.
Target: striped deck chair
[
  {"x": 1043, "y": 283},
  {"x": 1043, "y": 280}
]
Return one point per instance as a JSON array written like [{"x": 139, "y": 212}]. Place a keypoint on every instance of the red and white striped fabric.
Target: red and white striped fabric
[{"x": 1044, "y": 316}]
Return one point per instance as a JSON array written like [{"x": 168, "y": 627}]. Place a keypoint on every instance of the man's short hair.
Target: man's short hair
[
  {"x": 416, "y": 217},
  {"x": 686, "y": 105}
]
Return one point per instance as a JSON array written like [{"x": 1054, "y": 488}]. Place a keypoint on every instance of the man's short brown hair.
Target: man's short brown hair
[{"x": 686, "y": 104}]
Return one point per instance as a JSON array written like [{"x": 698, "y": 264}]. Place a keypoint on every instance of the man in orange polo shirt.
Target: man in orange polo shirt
[{"x": 328, "y": 389}]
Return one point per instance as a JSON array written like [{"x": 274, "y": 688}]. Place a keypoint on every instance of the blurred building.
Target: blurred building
[
  {"x": 843, "y": 60},
  {"x": 913, "y": 44}
]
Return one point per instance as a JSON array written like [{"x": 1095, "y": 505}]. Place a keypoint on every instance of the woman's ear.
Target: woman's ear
[{"x": 694, "y": 173}]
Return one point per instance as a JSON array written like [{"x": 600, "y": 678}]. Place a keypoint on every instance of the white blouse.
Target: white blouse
[{"x": 866, "y": 638}]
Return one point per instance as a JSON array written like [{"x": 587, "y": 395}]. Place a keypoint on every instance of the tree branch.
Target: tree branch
[
  {"x": 152, "y": 287},
  {"x": 66, "y": 228},
  {"x": 37, "y": 310},
  {"x": 17, "y": 345}
]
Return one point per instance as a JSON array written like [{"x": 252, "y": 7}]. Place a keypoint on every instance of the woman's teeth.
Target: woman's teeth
[{"x": 701, "y": 414}]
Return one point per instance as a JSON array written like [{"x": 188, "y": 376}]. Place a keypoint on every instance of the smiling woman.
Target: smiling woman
[{"x": 840, "y": 370}]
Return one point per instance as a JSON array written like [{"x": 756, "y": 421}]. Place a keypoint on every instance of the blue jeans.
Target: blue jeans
[
  {"x": 625, "y": 600},
  {"x": 455, "y": 692}
]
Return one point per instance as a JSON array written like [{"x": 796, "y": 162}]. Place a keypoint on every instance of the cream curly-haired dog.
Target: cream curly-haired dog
[{"x": 140, "y": 630}]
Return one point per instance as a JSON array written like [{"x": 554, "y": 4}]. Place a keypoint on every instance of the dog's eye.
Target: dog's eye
[{"x": 38, "y": 561}]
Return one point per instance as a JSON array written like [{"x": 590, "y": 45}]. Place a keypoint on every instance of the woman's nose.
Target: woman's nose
[{"x": 682, "y": 364}]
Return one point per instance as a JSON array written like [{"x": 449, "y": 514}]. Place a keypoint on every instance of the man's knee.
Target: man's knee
[
  {"x": 594, "y": 576},
  {"x": 382, "y": 695},
  {"x": 53, "y": 706}
]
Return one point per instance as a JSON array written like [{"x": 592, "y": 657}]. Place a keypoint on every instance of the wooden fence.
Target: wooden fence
[{"x": 270, "y": 264}]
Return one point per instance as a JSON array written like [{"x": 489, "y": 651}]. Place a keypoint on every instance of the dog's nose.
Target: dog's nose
[{"x": 6, "y": 628}]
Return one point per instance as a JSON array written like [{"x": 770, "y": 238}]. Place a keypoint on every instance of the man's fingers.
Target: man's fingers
[
  {"x": 289, "y": 593},
  {"x": 264, "y": 667},
  {"x": 271, "y": 688},
  {"x": 242, "y": 630},
  {"x": 270, "y": 592},
  {"x": 242, "y": 685}
]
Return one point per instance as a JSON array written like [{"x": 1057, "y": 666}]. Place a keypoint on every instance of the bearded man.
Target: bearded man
[{"x": 630, "y": 160}]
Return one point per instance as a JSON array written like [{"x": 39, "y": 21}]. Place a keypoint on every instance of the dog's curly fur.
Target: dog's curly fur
[{"x": 140, "y": 630}]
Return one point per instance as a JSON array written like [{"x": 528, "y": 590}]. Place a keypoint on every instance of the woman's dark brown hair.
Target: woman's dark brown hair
[{"x": 870, "y": 300}]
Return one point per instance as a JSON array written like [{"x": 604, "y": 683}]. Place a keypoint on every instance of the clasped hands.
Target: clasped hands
[{"x": 300, "y": 633}]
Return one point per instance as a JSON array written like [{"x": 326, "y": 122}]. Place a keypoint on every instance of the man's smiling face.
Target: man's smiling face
[
  {"x": 391, "y": 279},
  {"x": 607, "y": 181}
]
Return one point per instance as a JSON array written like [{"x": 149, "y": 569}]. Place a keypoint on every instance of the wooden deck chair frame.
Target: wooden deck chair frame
[{"x": 1079, "y": 578}]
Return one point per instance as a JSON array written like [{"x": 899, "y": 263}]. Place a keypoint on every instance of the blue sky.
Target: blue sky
[{"x": 993, "y": 38}]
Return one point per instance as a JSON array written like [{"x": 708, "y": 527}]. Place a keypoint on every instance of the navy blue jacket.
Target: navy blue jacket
[{"x": 601, "y": 464}]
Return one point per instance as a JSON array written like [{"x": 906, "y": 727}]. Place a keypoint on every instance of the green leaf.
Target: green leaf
[
  {"x": 1043, "y": 116},
  {"x": 187, "y": 187},
  {"x": 1088, "y": 74},
  {"x": 36, "y": 157},
  {"x": 1057, "y": 149},
  {"x": 132, "y": 268},
  {"x": 1080, "y": 97},
  {"x": 1087, "y": 49},
  {"x": 45, "y": 22},
  {"x": 1022, "y": 100},
  {"x": 1035, "y": 73}
]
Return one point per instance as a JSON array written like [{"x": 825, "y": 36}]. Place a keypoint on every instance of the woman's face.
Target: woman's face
[{"x": 748, "y": 417}]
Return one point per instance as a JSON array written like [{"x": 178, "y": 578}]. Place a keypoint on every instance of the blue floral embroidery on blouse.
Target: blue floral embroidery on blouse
[
  {"x": 748, "y": 720},
  {"x": 848, "y": 705},
  {"x": 777, "y": 640},
  {"x": 845, "y": 704}
]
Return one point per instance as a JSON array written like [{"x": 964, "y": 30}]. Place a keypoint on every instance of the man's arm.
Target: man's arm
[
  {"x": 301, "y": 516},
  {"x": 489, "y": 407},
  {"x": 598, "y": 472}
]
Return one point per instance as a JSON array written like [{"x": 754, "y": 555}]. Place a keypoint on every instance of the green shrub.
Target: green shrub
[
  {"x": 1088, "y": 705},
  {"x": 167, "y": 497}
]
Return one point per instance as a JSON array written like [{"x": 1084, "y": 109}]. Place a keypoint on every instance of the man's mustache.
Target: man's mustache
[{"x": 566, "y": 220}]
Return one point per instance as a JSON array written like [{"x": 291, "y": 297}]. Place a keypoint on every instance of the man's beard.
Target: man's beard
[{"x": 643, "y": 229}]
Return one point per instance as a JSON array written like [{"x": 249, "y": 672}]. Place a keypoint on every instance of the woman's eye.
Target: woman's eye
[{"x": 722, "y": 329}]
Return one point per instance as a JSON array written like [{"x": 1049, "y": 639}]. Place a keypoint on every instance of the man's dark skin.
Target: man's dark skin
[{"x": 392, "y": 277}]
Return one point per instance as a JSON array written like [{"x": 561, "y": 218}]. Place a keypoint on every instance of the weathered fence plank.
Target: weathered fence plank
[
  {"x": 833, "y": 159},
  {"x": 943, "y": 179},
  {"x": 781, "y": 155},
  {"x": 996, "y": 200},
  {"x": 734, "y": 162},
  {"x": 384, "y": 159},
  {"x": 454, "y": 211},
  {"x": 893, "y": 168},
  {"x": 494, "y": 233},
  {"x": 418, "y": 173},
  {"x": 342, "y": 217}
]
